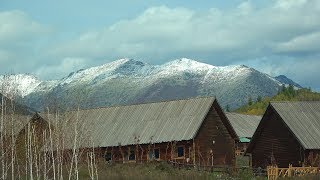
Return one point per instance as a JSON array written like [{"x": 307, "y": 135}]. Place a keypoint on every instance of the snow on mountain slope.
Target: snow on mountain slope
[
  {"x": 183, "y": 65},
  {"x": 118, "y": 68},
  {"x": 284, "y": 80},
  {"x": 22, "y": 84},
  {"x": 127, "y": 81}
]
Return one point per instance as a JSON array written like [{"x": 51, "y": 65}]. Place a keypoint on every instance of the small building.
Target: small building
[
  {"x": 289, "y": 133},
  {"x": 194, "y": 131},
  {"x": 244, "y": 126},
  {"x": 19, "y": 131}
]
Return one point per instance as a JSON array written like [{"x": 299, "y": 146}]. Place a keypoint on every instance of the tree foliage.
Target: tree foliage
[{"x": 285, "y": 94}]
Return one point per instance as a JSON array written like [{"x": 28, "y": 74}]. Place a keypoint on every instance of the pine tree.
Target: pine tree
[
  {"x": 259, "y": 98},
  {"x": 291, "y": 91},
  {"x": 250, "y": 101},
  {"x": 228, "y": 108}
]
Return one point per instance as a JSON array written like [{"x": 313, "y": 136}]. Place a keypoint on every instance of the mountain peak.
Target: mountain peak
[
  {"x": 187, "y": 64},
  {"x": 133, "y": 62},
  {"x": 285, "y": 80},
  {"x": 243, "y": 66},
  {"x": 186, "y": 61},
  {"x": 22, "y": 84},
  {"x": 127, "y": 61}
]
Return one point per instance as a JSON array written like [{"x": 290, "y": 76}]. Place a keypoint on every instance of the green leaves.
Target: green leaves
[{"x": 285, "y": 94}]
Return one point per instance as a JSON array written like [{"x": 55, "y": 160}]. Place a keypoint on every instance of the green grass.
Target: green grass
[
  {"x": 242, "y": 161},
  {"x": 156, "y": 170},
  {"x": 160, "y": 170}
]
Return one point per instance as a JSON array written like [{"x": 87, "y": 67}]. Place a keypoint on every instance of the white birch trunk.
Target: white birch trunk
[
  {"x": 52, "y": 149},
  {"x": 2, "y": 139},
  {"x": 12, "y": 141}
]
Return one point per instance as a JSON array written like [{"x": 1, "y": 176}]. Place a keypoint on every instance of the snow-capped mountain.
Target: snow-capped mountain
[
  {"x": 128, "y": 81},
  {"x": 284, "y": 80},
  {"x": 21, "y": 84}
]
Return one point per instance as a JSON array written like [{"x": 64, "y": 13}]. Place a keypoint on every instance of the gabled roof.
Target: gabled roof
[
  {"x": 136, "y": 124},
  {"x": 244, "y": 125},
  {"x": 301, "y": 118},
  {"x": 14, "y": 122},
  {"x": 18, "y": 108}
]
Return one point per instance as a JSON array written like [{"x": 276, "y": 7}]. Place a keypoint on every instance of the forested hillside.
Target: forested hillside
[{"x": 258, "y": 106}]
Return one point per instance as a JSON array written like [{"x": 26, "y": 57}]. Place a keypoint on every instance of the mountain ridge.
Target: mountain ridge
[
  {"x": 127, "y": 81},
  {"x": 285, "y": 80}
]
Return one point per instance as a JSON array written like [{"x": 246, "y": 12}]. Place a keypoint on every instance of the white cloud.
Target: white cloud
[
  {"x": 301, "y": 44},
  {"x": 303, "y": 70},
  {"x": 17, "y": 26},
  {"x": 242, "y": 32},
  {"x": 288, "y": 4},
  {"x": 20, "y": 37},
  {"x": 66, "y": 65}
]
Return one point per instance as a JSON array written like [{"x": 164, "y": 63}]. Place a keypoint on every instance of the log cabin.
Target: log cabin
[
  {"x": 244, "y": 126},
  {"x": 289, "y": 133},
  {"x": 16, "y": 128},
  {"x": 194, "y": 131}
]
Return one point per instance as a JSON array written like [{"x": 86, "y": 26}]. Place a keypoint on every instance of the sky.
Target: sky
[{"x": 50, "y": 39}]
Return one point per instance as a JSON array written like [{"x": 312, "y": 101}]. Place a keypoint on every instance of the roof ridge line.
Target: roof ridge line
[{"x": 135, "y": 104}]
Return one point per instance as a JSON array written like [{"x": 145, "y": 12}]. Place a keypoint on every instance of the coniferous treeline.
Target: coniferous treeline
[{"x": 288, "y": 93}]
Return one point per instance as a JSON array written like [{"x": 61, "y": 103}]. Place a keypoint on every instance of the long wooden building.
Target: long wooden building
[
  {"x": 194, "y": 131},
  {"x": 289, "y": 133}
]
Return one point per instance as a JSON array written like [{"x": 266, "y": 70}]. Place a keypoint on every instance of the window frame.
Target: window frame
[
  {"x": 153, "y": 157},
  {"x": 105, "y": 155},
  {"x": 129, "y": 154},
  {"x": 184, "y": 152},
  {"x": 154, "y": 154}
]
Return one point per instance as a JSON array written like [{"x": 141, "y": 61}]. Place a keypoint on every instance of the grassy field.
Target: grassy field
[{"x": 158, "y": 170}]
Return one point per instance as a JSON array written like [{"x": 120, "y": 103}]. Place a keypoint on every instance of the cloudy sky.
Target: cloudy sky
[{"x": 52, "y": 38}]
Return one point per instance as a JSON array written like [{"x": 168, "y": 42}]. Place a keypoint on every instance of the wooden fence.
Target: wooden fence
[
  {"x": 220, "y": 168},
  {"x": 274, "y": 172},
  {"x": 226, "y": 169}
]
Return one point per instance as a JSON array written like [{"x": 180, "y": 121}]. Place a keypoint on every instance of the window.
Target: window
[
  {"x": 132, "y": 155},
  {"x": 108, "y": 156},
  {"x": 155, "y": 154},
  {"x": 180, "y": 150},
  {"x": 125, "y": 156}
]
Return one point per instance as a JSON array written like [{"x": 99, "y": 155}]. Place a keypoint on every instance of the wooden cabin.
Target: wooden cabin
[
  {"x": 194, "y": 131},
  {"x": 33, "y": 129},
  {"x": 17, "y": 129},
  {"x": 289, "y": 133},
  {"x": 244, "y": 126}
]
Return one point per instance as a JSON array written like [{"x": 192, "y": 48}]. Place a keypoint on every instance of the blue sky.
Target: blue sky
[{"x": 52, "y": 38}]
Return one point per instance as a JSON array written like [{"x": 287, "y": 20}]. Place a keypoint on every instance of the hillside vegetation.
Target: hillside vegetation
[{"x": 259, "y": 106}]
